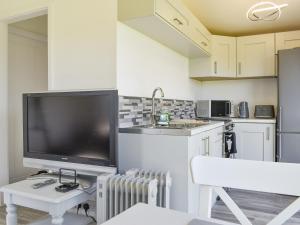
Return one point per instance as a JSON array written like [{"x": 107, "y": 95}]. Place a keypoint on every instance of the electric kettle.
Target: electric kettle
[{"x": 243, "y": 110}]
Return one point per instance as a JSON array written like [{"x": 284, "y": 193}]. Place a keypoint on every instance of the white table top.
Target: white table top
[
  {"x": 47, "y": 193},
  {"x": 142, "y": 214}
]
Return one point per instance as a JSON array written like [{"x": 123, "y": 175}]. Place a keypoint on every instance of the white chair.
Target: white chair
[{"x": 215, "y": 173}]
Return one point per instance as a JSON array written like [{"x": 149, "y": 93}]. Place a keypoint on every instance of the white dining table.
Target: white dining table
[{"x": 143, "y": 214}]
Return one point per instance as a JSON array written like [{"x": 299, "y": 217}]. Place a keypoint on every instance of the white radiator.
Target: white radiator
[{"x": 116, "y": 193}]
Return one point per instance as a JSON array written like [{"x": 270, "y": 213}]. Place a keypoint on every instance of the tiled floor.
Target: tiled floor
[{"x": 259, "y": 207}]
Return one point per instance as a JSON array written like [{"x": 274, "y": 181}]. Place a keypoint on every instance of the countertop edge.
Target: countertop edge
[
  {"x": 254, "y": 120},
  {"x": 171, "y": 132}
]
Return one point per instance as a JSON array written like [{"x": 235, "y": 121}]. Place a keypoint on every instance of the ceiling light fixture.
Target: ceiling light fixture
[{"x": 265, "y": 11}]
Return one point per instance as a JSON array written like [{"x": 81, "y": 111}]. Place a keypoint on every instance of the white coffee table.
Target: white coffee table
[{"x": 44, "y": 199}]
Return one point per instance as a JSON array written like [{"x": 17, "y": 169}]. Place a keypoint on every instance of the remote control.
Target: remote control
[{"x": 43, "y": 184}]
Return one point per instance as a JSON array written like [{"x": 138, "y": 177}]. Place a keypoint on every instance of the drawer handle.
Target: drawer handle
[
  {"x": 216, "y": 67},
  {"x": 203, "y": 43},
  {"x": 178, "y": 21}
]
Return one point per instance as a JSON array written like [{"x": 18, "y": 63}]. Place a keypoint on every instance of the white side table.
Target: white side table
[{"x": 44, "y": 199}]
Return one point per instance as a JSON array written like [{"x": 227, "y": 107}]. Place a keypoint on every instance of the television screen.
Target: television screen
[{"x": 77, "y": 127}]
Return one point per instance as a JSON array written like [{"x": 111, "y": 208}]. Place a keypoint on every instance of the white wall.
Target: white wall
[
  {"x": 144, "y": 64},
  {"x": 82, "y": 44},
  {"x": 254, "y": 91},
  {"x": 3, "y": 108},
  {"x": 27, "y": 72},
  {"x": 82, "y": 40}
]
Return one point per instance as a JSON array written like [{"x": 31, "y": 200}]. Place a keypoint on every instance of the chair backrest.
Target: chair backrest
[{"x": 279, "y": 178}]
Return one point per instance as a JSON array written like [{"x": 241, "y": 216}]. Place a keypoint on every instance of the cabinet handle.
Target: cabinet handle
[
  {"x": 240, "y": 68},
  {"x": 178, "y": 21},
  {"x": 268, "y": 133},
  {"x": 204, "y": 43},
  {"x": 206, "y": 152},
  {"x": 276, "y": 65},
  {"x": 216, "y": 67},
  {"x": 279, "y": 153}
]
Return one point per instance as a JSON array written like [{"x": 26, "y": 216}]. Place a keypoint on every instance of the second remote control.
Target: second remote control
[{"x": 43, "y": 184}]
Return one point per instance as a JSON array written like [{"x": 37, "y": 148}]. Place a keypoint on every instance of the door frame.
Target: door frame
[{"x": 4, "y": 22}]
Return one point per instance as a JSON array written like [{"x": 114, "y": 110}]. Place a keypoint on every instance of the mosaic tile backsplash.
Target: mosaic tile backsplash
[{"x": 135, "y": 111}]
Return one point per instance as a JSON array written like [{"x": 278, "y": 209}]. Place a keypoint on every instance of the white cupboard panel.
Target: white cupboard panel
[
  {"x": 256, "y": 56},
  {"x": 287, "y": 40},
  {"x": 224, "y": 56},
  {"x": 255, "y": 141},
  {"x": 168, "y": 22},
  {"x": 221, "y": 64}
]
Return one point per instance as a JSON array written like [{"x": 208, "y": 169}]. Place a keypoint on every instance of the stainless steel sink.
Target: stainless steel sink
[
  {"x": 171, "y": 129},
  {"x": 160, "y": 127}
]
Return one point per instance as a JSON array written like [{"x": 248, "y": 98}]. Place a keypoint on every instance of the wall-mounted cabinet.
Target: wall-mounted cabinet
[
  {"x": 221, "y": 64},
  {"x": 287, "y": 40},
  {"x": 256, "y": 56},
  {"x": 168, "y": 22}
]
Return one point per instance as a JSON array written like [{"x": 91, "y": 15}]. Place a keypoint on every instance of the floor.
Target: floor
[
  {"x": 259, "y": 207},
  {"x": 25, "y": 216}
]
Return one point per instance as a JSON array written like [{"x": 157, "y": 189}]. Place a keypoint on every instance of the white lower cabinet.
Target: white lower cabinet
[
  {"x": 255, "y": 141},
  {"x": 173, "y": 154}
]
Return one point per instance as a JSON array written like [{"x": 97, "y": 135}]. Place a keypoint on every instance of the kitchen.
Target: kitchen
[
  {"x": 222, "y": 88},
  {"x": 238, "y": 68}
]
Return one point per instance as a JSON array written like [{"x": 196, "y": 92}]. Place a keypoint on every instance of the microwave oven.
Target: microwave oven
[{"x": 213, "y": 108}]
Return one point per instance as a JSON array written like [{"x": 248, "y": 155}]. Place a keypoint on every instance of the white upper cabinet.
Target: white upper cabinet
[
  {"x": 168, "y": 22},
  {"x": 224, "y": 56},
  {"x": 221, "y": 64},
  {"x": 256, "y": 56},
  {"x": 287, "y": 40}
]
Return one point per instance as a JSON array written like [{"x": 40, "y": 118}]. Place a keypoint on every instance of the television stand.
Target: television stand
[{"x": 45, "y": 199}]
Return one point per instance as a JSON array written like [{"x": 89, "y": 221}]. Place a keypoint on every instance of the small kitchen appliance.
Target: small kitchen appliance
[
  {"x": 213, "y": 108},
  {"x": 264, "y": 111},
  {"x": 243, "y": 110}
]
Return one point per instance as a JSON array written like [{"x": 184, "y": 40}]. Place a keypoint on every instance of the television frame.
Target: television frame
[{"x": 41, "y": 157}]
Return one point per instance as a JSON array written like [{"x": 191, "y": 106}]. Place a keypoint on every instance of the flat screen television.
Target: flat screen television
[{"x": 75, "y": 127}]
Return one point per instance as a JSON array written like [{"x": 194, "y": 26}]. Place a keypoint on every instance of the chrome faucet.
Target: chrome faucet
[{"x": 153, "y": 120}]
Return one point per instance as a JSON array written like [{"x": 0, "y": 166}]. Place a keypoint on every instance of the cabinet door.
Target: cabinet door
[
  {"x": 216, "y": 142},
  {"x": 224, "y": 56},
  {"x": 200, "y": 35},
  {"x": 255, "y": 141},
  {"x": 171, "y": 12},
  {"x": 256, "y": 56},
  {"x": 287, "y": 40}
]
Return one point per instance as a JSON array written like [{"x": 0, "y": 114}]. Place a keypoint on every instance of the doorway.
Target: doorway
[{"x": 27, "y": 73}]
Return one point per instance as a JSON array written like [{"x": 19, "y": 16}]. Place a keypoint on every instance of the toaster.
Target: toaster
[{"x": 264, "y": 111}]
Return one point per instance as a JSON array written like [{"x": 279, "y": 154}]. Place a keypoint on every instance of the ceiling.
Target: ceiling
[
  {"x": 36, "y": 25},
  {"x": 228, "y": 17}
]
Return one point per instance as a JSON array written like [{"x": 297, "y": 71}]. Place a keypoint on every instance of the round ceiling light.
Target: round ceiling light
[{"x": 266, "y": 11}]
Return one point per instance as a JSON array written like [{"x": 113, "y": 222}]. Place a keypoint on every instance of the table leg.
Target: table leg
[
  {"x": 11, "y": 217},
  {"x": 57, "y": 219}
]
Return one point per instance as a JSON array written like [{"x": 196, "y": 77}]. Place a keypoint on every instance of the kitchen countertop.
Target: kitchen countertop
[
  {"x": 173, "y": 132},
  {"x": 253, "y": 120}
]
